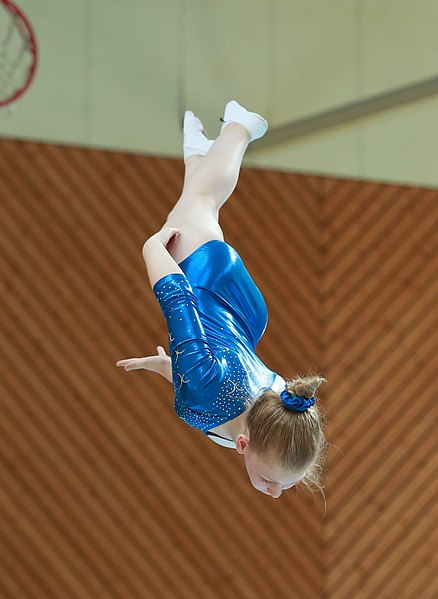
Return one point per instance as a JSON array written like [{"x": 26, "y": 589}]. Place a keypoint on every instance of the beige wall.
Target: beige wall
[{"x": 120, "y": 75}]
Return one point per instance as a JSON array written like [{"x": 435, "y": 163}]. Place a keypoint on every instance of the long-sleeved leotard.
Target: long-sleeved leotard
[{"x": 215, "y": 317}]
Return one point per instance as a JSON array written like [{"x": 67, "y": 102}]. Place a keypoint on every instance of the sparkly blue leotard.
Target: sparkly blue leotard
[{"x": 215, "y": 317}]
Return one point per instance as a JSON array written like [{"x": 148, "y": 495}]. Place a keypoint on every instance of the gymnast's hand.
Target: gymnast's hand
[
  {"x": 161, "y": 364},
  {"x": 164, "y": 235}
]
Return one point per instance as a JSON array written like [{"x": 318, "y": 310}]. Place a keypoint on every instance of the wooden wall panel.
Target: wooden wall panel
[
  {"x": 105, "y": 493},
  {"x": 381, "y": 346}
]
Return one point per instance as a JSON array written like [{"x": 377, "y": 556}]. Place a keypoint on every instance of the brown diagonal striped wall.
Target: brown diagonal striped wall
[
  {"x": 105, "y": 493},
  {"x": 380, "y": 352}
]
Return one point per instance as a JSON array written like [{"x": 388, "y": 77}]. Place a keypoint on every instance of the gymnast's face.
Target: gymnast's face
[{"x": 263, "y": 474}]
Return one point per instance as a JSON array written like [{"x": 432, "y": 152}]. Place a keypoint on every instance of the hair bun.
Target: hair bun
[{"x": 305, "y": 386}]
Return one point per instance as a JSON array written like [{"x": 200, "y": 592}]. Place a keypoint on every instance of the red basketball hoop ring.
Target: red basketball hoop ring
[{"x": 32, "y": 49}]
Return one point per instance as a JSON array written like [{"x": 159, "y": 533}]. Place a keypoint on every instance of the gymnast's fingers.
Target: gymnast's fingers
[{"x": 129, "y": 364}]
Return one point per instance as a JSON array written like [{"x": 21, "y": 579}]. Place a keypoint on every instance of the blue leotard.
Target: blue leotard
[{"x": 215, "y": 317}]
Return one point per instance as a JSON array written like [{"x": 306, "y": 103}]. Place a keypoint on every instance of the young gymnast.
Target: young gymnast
[{"x": 216, "y": 316}]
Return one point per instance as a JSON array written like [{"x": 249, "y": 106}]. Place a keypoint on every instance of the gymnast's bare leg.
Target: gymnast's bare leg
[{"x": 208, "y": 183}]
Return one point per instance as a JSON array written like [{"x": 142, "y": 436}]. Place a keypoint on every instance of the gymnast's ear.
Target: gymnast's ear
[{"x": 242, "y": 443}]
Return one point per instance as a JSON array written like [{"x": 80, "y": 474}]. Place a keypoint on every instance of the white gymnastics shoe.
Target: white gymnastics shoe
[
  {"x": 195, "y": 141},
  {"x": 253, "y": 122}
]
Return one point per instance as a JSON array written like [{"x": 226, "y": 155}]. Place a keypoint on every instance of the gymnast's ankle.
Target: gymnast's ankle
[
  {"x": 251, "y": 121},
  {"x": 195, "y": 141}
]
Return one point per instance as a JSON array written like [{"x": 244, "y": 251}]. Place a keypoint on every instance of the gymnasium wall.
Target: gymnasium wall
[
  {"x": 121, "y": 75},
  {"x": 105, "y": 493}
]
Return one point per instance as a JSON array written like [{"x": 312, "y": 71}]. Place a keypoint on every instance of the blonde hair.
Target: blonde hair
[{"x": 294, "y": 440}]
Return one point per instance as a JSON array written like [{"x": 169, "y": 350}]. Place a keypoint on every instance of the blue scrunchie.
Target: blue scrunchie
[{"x": 295, "y": 402}]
